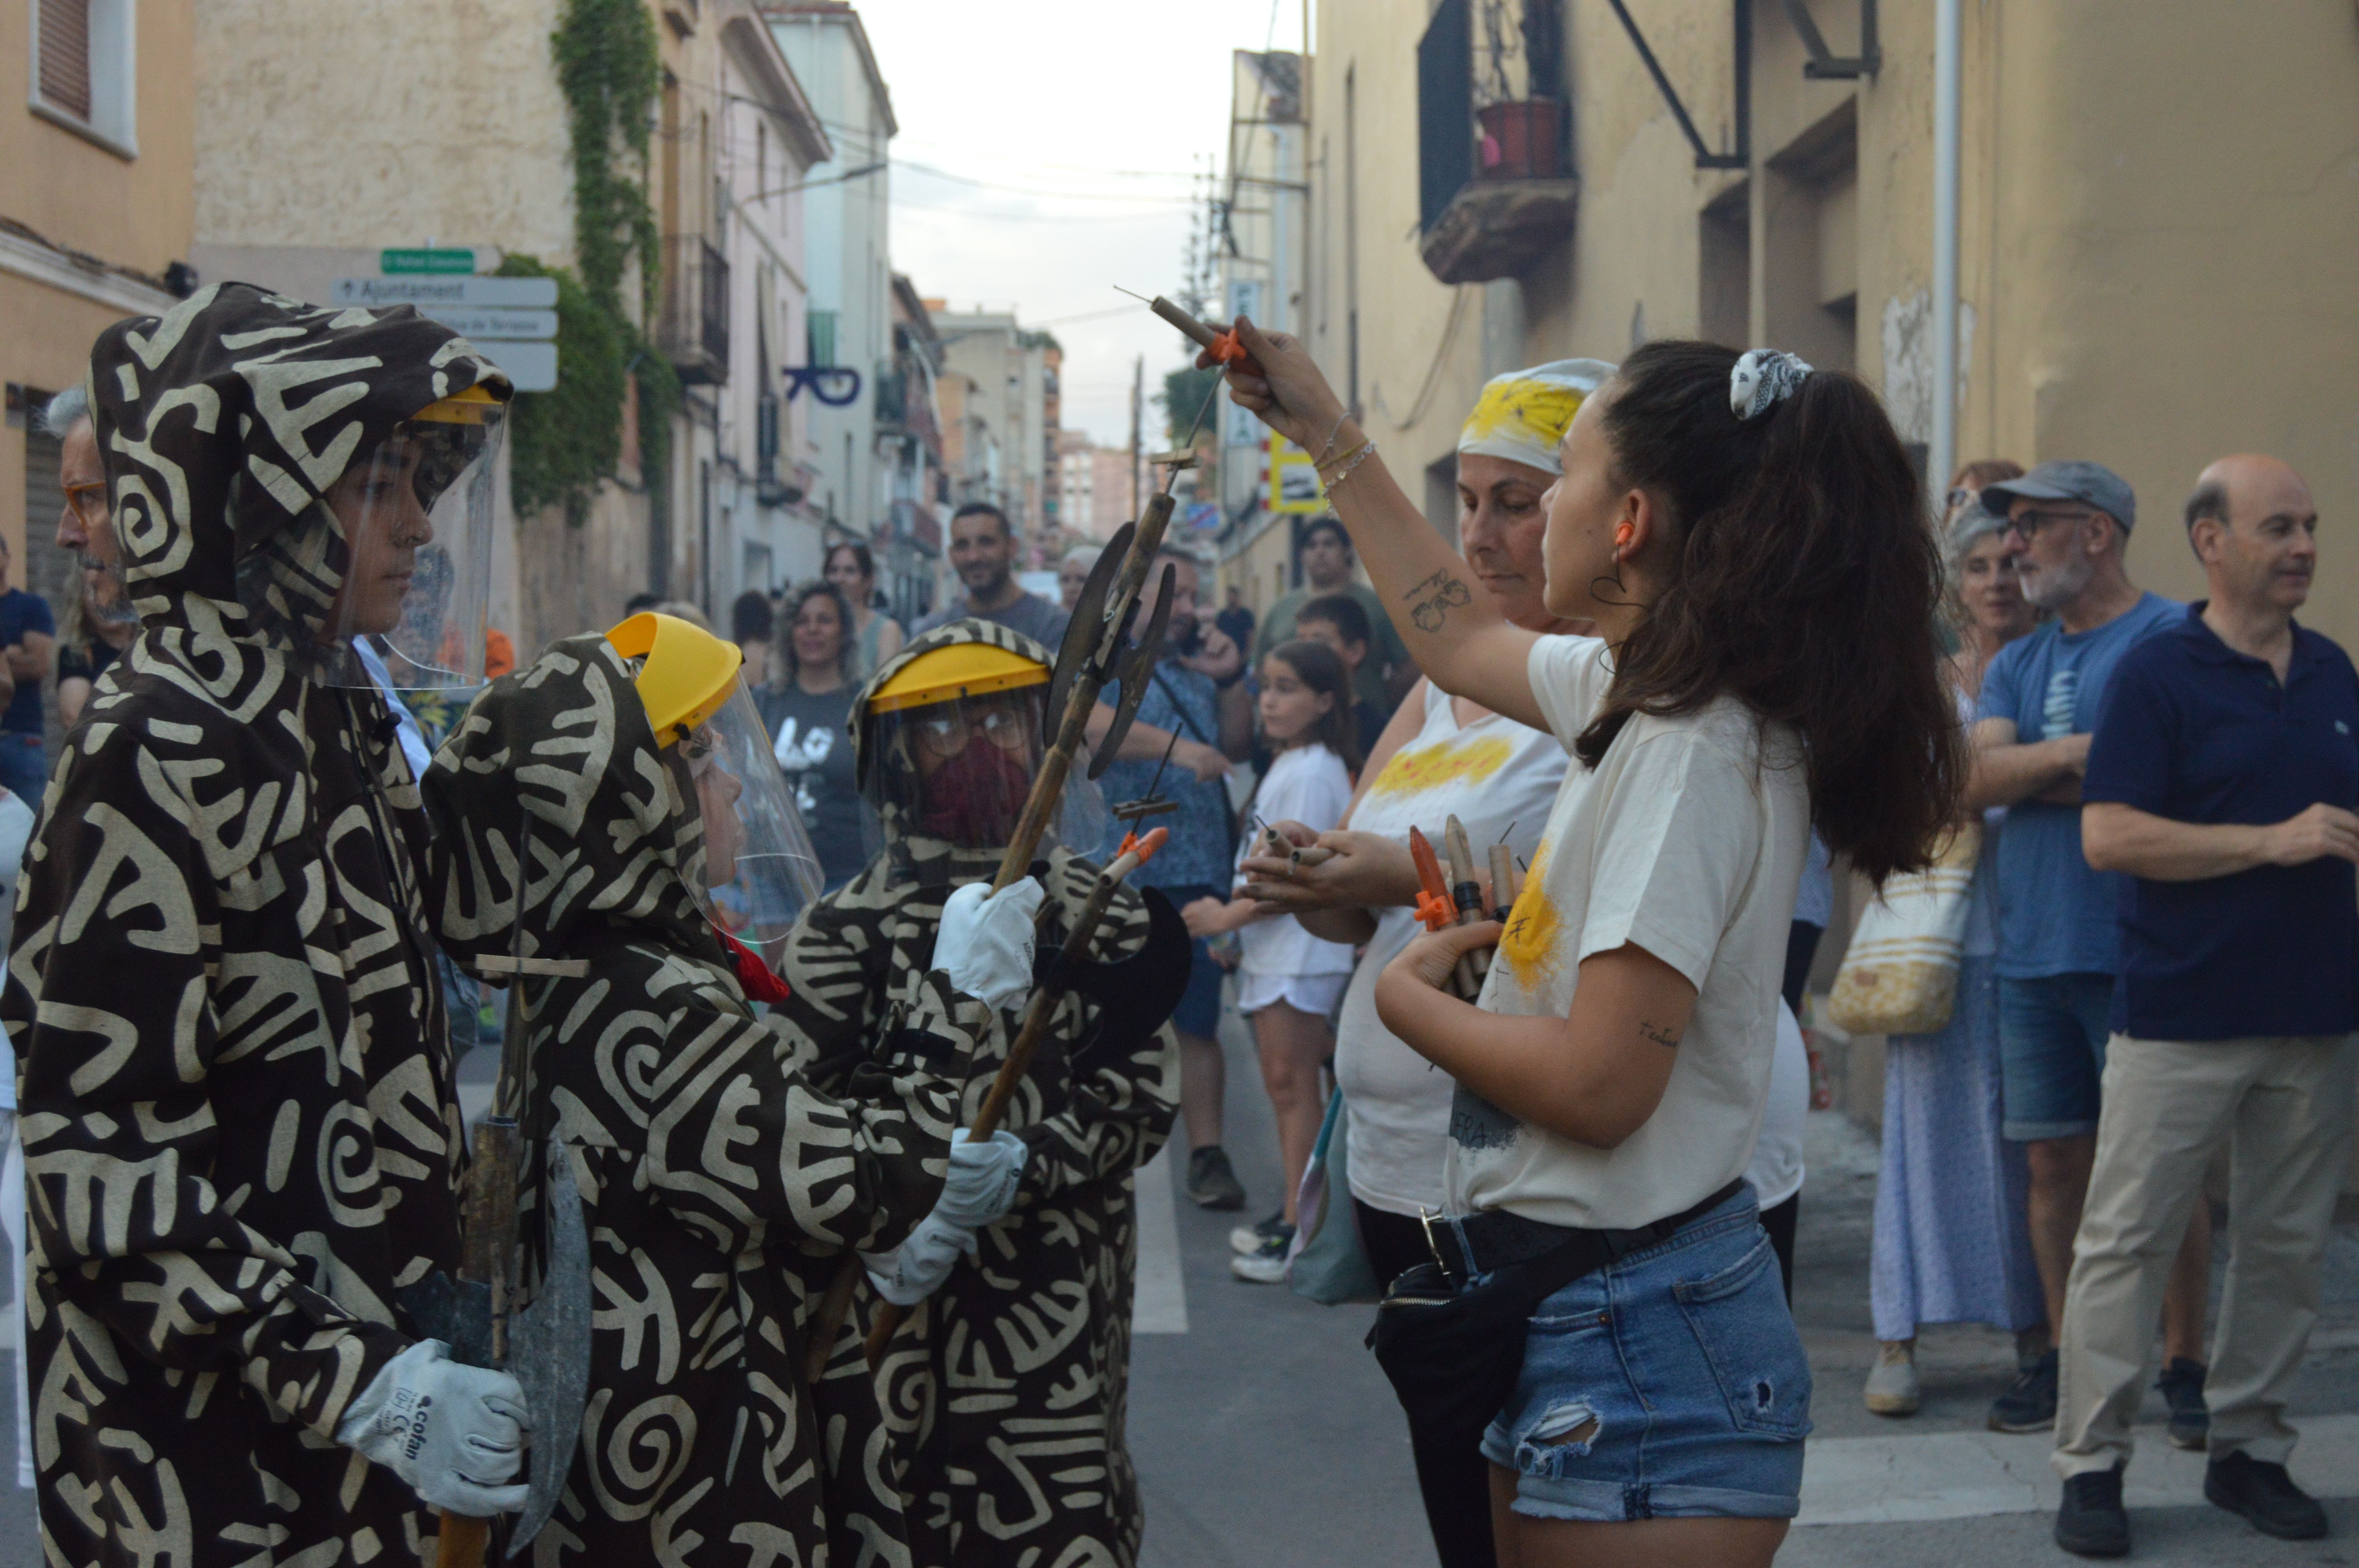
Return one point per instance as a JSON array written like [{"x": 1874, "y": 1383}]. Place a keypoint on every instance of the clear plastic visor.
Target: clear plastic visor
[
  {"x": 961, "y": 769},
  {"x": 416, "y": 517},
  {"x": 758, "y": 871}
]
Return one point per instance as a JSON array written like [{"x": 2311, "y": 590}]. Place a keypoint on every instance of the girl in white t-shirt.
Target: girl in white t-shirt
[
  {"x": 1288, "y": 980},
  {"x": 1748, "y": 537}
]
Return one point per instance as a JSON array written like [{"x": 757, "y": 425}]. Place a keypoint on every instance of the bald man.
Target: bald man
[{"x": 2221, "y": 778}]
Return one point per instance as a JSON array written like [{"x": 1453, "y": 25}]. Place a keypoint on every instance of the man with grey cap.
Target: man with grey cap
[{"x": 2068, "y": 525}]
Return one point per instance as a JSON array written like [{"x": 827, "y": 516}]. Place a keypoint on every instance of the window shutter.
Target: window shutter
[{"x": 65, "y": 55}]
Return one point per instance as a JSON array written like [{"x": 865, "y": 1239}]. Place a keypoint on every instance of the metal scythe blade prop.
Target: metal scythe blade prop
[
  {"x": 1086, "y": 627},
  {"x": 1137, "y": 671},
  {"x": 548, "y": 1349}
]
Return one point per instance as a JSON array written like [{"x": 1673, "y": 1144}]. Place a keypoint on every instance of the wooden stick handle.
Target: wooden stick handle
[
  {"x": 462, "y": 1541},
  {"x": 1203, "y": 337},
  {"x": 1010, "y": 1076}
]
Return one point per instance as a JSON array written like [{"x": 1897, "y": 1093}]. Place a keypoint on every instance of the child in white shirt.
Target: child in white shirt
[{"x": 1288, "y": 980}]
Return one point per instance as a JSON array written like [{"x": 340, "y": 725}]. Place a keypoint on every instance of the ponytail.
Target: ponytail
[{"x": 1806, "y": 583}]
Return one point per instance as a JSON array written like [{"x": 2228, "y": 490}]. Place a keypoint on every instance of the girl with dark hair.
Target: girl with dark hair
[
  {"x": 1750, "y": 539},
  {"x": 876, "y": 636},
  {"x": 1289, "y": 981},
  {"x": 806, "y": 707}
]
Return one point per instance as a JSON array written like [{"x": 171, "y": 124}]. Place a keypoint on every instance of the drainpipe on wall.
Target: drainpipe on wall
[{"x": 1942, "y": 459}]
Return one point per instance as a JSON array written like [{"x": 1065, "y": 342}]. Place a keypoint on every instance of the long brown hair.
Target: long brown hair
[
  {"x": 1806, "y": 584},
  {"x": 1321, "y": 668}
]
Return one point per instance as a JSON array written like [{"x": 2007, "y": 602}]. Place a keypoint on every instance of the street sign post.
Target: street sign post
[
  {"x": 429, "y": 259},
  {"x": 482, "y": 322},
  {"x": 531, "y": 367},
  {"x": 498, "y": 292}
]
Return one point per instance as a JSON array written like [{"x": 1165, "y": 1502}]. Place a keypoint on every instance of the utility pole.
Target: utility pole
[{"x": 1137, "y": 453}]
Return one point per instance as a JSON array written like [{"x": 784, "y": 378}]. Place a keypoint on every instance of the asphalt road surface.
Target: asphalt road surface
[{"x": 1264, "y": 1433}]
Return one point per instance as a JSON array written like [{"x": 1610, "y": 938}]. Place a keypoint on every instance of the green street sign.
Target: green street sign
[{"x": 438, "y": 260}]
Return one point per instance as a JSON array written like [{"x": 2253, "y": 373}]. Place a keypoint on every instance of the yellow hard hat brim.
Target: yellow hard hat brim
[
  {"x": 476, "y": 406},
  {"x": 962, "y": 669},
  {"x": 686, "y": 675}
]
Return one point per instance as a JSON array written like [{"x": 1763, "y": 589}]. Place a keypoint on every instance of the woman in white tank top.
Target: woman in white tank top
[{"x": 1440, "y": 756}]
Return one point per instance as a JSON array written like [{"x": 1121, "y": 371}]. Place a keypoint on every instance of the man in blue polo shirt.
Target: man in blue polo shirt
[
  {"x": 2221, "y": 778},
  {"x": 2068, "y": 530}
]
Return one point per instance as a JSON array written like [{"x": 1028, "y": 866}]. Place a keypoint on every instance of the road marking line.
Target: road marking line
[
  {"x": 1971, "y": 1474},
  {"x": 1159, "y": 1305}
]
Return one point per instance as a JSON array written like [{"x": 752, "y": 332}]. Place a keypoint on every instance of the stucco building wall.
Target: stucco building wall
[{"x": 2160, "y": 200}]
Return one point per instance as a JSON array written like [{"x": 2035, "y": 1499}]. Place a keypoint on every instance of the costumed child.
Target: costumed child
[
  {"x": 1288, "y": 981},
  {"x": 1006, "y": 1385},
  {"x": 717, "y": 1181},
  {"x": 237, "y": 1103}
]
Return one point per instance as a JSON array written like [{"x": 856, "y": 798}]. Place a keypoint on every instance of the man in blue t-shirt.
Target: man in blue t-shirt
[
  {"x": 1196, "y": 712},
  {"x": 2223, "y": 780},
  {"x": 27, "y": 635},
  {"x": 2067, "y": 526}
]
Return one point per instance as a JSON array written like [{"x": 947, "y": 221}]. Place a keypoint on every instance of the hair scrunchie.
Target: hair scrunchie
[{"x": 1763, "y": 379}]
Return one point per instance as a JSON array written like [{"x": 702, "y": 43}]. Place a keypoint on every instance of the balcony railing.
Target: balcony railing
[
  {"x": 1492, "y": 194},
  {"x": 693, "y": 328}
]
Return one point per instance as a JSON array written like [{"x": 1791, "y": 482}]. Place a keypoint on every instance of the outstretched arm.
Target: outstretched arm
[{"x": 1453, "y": 631}]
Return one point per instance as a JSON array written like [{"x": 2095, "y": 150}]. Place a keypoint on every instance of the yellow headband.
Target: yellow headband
[{"x": 1523, "y": 415}]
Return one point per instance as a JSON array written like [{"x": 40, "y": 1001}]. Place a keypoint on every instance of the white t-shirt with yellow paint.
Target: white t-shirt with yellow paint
[
  {"x": 1497, "y": 777},
  {"x": 1686, "y": 840}
]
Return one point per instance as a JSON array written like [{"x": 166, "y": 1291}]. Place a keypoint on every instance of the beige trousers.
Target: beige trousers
[{"x": 2284, "y": 1105}]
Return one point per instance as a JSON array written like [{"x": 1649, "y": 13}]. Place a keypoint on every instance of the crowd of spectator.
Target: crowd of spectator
[{"x": 2157, "y": 960}]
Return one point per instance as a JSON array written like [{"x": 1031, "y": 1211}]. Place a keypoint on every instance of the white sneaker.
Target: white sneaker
[
  {"x": 1247, "y": 1239},
  {"x": 1892, "y": 1388},
  {"x": 1265, "y": 1266}
]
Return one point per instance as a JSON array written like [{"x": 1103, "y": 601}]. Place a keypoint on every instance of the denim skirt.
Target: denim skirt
[{"x": 1671, "y": 1385}]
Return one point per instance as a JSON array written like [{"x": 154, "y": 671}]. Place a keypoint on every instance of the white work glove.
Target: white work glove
[
  {"x": 986, "y": 940},
  {"x": 909, "y": 1273},
  {"x": 983, "y": 1180},
  {"x": 454, "y": 1433}
]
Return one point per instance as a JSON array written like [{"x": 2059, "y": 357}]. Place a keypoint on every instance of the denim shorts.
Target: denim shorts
[
  {"x": 1671, "y": 1385},
  {"x": 2051, "y": 1043}
]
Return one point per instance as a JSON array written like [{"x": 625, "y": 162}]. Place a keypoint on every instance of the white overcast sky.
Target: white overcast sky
[{"x": 1084, "y": 120}]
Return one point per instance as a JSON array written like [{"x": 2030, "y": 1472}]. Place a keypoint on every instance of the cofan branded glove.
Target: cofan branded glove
[
  {"x": 986, "y": 940},
  {"x": 983, "y": 1180},
  {"x": 454, "y": 1433},
  {"x": 912, "y": 1271}
]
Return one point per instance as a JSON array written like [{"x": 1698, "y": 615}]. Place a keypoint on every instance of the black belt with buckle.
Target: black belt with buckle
[{"x": 1496, "y": 1238}]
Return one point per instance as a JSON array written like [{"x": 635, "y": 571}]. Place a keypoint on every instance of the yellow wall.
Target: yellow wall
[
  {"x": 132, "y": 211},
  {"x": 2160, "y": 206}
]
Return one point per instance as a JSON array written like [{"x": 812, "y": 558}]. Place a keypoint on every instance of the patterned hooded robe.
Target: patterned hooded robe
[
  {"x": 1007, "y": 1391},
  {"x": 236, "y": 1090},
  {"x": 706, "y": 1159}
]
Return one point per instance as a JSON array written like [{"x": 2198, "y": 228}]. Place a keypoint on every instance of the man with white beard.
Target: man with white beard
[{"x": 2068, "y": 527}]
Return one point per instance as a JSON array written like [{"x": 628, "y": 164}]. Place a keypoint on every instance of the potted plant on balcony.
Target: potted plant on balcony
[{"x": 1519, "y": 121}]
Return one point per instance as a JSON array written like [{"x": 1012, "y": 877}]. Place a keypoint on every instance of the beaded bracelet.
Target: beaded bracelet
[
  {"x": 1357, "y": 456},
  {"x": 1324, "y": 462}
]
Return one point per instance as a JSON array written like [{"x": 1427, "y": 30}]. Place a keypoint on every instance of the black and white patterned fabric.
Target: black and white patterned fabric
[
  {"x": 235, "y": 1087},
  {"x": 720, "y": 1183},
  {"x": 1007, "y": 1391}
]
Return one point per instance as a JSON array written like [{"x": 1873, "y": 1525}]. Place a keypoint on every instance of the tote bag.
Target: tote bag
[
  {"x": 1328, "y": 1263},
  {"x": 1900, "y": 974}
]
